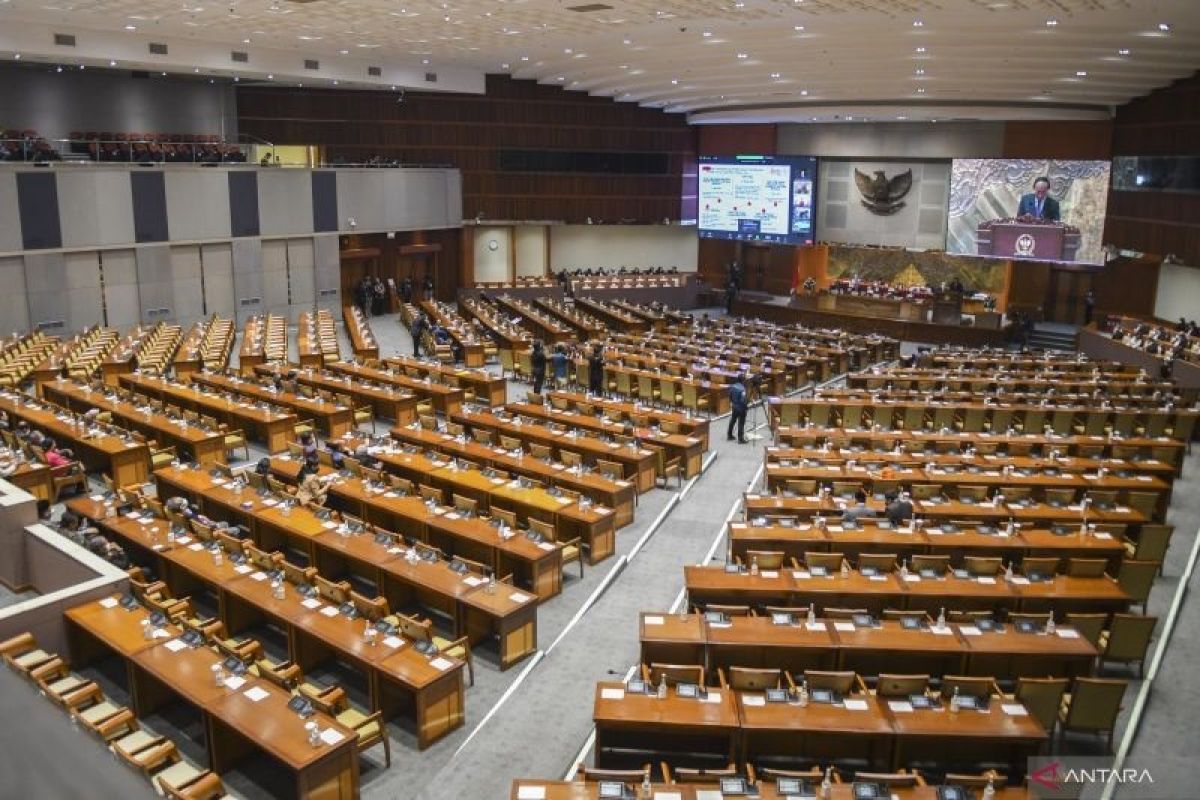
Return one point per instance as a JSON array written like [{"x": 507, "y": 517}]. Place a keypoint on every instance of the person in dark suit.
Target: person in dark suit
[
  {"x": 596, "y": 370},
  {"x": 1038, "y": 203},
  {"x": 739, "y": 402},
  {"x": 537, "y": 361}
]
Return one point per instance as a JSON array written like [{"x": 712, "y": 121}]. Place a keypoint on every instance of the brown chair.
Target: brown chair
[
  {"x": 673, "y": 673},
  {"x": 766, "y": 559},
  {"x": 1136, "y": 579},
  {"x": 630, "y": 777},
  {"x": 893, "y": 780},
  {"x": 1127, "y": 640},
  {"x": 753, "y": 679},
  {"x": 998, "y": 780},
  {"x": 1040, "y": 565},
  {"x": 879, "y": 562},
  {"x": 843, "y": 682},
  {"x": 1090, "y": 626},
  {"x": 924, "y": 563},
  {"x": 1151, "y": 544},
  {"x": 982, "y": 565},
  {"x": 890, "y": 685},
  {"x": 1086, "y": 567},
  {"x": 1042, "y": 697},
  {"x": 75, "y": 477},
  {"x": 969, "y": 686},
  {"x": 831, "y": 562},
  {"x": 693, "y": 775},
  {"x": 1092, "y": 707}
]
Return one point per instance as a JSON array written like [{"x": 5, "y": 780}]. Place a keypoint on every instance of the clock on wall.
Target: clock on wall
[{"x": 493, "y": 244}]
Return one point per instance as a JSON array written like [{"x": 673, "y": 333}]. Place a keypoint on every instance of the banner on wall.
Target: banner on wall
[{"x": 890, "y": 203}]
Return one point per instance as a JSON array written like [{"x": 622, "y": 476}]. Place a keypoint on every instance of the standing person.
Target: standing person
[
  {"x": 596, "y": 369},
  {"x": 731, "y": 290},
  {"x": 406, "y": 288},
  {"x": 538, "y": 364},
  {"x": 418, "y": 330},
  {"x": 1038, "y": 203},
  {"x": 739, "y": 401},
  {"x": 1089, "y": 307},
  {"x": 559, "y": 363},
  {"x": 428, "y": 287},
  {"x": 378, "y": 296}
]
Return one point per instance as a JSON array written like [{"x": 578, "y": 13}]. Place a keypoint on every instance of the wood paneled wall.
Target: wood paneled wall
[
  {"x": 409, "y": 254},
  {"x": 1164, "y": 122},
  {"x": 731, "y": 140},
  {"x": 468, "y": 131},
  {"x": 1064, "y": 139}
]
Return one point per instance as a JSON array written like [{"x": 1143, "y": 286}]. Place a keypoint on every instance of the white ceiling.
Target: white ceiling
[{"x": 773, "y": 59}]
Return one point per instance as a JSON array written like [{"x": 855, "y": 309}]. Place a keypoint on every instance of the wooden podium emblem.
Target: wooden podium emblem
[{"x": 1024, "y": 246}]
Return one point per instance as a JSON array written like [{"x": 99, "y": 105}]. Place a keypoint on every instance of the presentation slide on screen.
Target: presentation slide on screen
[
  {"x": 1036, "y": 209},
  {"x": 757, "y": 198}
]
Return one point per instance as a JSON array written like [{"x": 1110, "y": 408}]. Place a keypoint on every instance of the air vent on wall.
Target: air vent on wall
[
  {"x": 590, "y": 7},
  {"x": 374, "y": 72},
  {"x": 312, "y": 63},
  {"x": 64, "y": 40},
  {"x": 431, "y": 77},
  {"x": 239, "y": 56},
  {"x": 158, "y": 49},
  {"x": 50, "y": 324}
]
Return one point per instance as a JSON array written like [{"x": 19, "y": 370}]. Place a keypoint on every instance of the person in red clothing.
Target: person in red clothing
[{"x": 59, "y": 461}]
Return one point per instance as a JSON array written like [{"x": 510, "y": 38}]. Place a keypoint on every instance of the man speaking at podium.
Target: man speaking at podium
[{"x": 1038, "y": 203}]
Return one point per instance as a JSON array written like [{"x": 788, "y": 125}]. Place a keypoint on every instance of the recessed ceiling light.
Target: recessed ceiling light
[
  {"x": 504, "y": 66},
  {"x": 706, "y": 34},
  {"x": 561, "y": 78},
  {"x": 425, "y": 61},
  {"x": 1050, "y": 23},
  {"x": 920, "y": 90},
  {"x": 344, "y": 52},
  {"x": 270, "y": 77},
  {"x": 918, "y": 23},
  {"x": 195, "y": 69},
  {"x": 743, "y": 55},
  {"x": 110, "y": 63},
  {"x": 674, "y": 81},
  {"x": 921, "y": 50},
  {"x": 775, "y": 75},
  {"x": 1081, "y": 73},
  {"x": 131, "y": 27},
  {"x": 797, "y": 27},
  {"x": 804, "y": 92},
  {"x": 1124, "y": 51},
  {"x": 627, "y": 41},
  {"x": 245, "y": 41},
  {"x": 920, "y": 72},
  {"x": 902, "y": 117},
  {"x": 568, "y": 50},
  {"x": 524, "y": 58},
  {"x": 624, "y": 66},
  {"x": 16, "y": 57},
  {"x": 1165, "y": 27}
]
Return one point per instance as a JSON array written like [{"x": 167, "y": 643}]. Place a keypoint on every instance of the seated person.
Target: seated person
[
  {"x": 899, "y": 508},
  {"x": 312, "y": 488},
  {"x": 336, "y": 457},
  {"x": 263, "y": 467},
  {"x": 308, "y": 444},
  {"x": 859, "y": 510},
  {"x": 59, "y": 461}
]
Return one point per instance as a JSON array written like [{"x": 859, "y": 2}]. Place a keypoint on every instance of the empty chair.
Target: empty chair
[
  {"x": 1029, "y": 618},
  {"x": 629, "y": 777},
  {"x": 971, "y": 494},
  {"x": 969, "y": 686},
  {"x": 1127, "y": 639},
  {"x": 1145, "y": 503},
  {"x": 765, "y": 559},
  {"x": 708, "y": 775},
  {"x": 1089, "y": 626},
  {"x": 1086, "y": 567},
  {"x": 926, "y": 564},
  {"x": 877, "y": 562},
  {"x": 1092, "y": 707},
  {"x": 890, "y": 685},
  {"x": 823, "y": 561},
  {"x": 1042, "y": 697},
  {"x": 997, "y": 780},
  {"x": 754, "y": 679},
  {"x": 982, "y": 565},
  {"x": 842, "y": 682},
  {"x": 1044, "y": 566},
  {"x": 1060, "y": 497},
  {"x": 1103, "y": 498},
  {"x": 893, "y": 780},
  {"x": 673, "y": 673},
  {"x": 1151, "y": 544},
  {"x": 902, "y": 614}
]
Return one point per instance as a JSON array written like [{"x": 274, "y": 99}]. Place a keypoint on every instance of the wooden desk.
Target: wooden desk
[
  {"x": 35, "y": 478},
  {"x": 446, "y": 399},
  {"x": 268, "y": 425},
  {"x": 474, "y": 352},
  {"x": 688, "y": 449},
  {"x": 385, "y": 401},
  {"x": 126, "y": 462},
  {"x": 332, "y": 418},
  {"x": 638, "y": 463},
  {"x": 644, "y": 723},
  {"x": 616, "y": 494},
  {"x": 189, "y": 440},
  {"x": 819, "y": 731},
  {"x": 489, "y": 389},
  {"x": 362, "y": 339},
  {"x": 234, "y": 724},
  {"x": 799, "y": 588},
  {"x": 688, "y": 424}
]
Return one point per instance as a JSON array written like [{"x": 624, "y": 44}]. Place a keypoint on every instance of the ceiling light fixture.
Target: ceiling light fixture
[
  {"x": 921, "y": 50},
  {"x": 1081, "y": 73},
  {"x": 918, "y": 23},
  {"x": 110, "y": 63},
  {"x": 743, "y": 55},
  {"x": 16, "y": 56},
  {"x": 706, "y": 34},
  {"x": 1051, "y": 23},
  {"x": 804, "y": 92},
  {"x": 920, "y": 72},
  {"x": 131, "y": 27},
  {"x": 775, "y": 75},
  {"x": 1124, "y": 51},
  {"x": 1165, "y": 27},
  {"x": 920, "y": 90}
]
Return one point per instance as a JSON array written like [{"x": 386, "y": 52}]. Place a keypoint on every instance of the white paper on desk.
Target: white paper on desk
[
  {"x": 453, "y": 515},
  {"x": 878, "y": 578},
  {"x": 531, "y": 793},
  {"x": 175, "y": 645},
  {"x": 1020, "y": 580},
  {"x": 1015, "y": 709},
  {"x": 987, "y": 580},
  {"x": 1146, "y": 478},
  {"x": 711, "y": 697},
  {"x": 903, "y": 706},
  {"x": 329, "y": 525},
  {"x": 836, "y": 529},
  {"x": 843, "y": 626},
  {"x": 234, "y": 682},
  {"x": 393, "y": 641},
  {"x": 311, "y": 603},
  {"x": 329, "y": 611},
  {"x": 653, "y": 620},
  {"x": 814, "y": 626},
  {"x": 943, "y": 631},
  {"x": 258, "y": 576},
  {"x": 242, "y": 569},
  {"x": 256, "y": 693},
  {"x": 96, "y": 498},
  {"x": 547, "y": 546},
  {"x": 673, "y": 795},
  {"x": 801, "y": 575},
  {"x": 769, "y": 573},
  {"x": 612, "y": 694},
  {"x": 602, "y": 510},
  {"x": 855, "y": 705},
  {"x": 753, "y": 700},
  {"x": 751, "y": 497},
  {"x": 912, "y": 578},
  {"x": 1103, "y": 535},
  {"x": 473, "y": 580},
  {"x": 623, "y": 484},
  {"x": 563, "y": 500},
  {"x": 331, "y": 737},
  {"x": 1123, "y": 509},
  {"x": 183, "y": 539},
  {"x": 518, "y": 597},
  {"x": 441, "y": 663},
  {"x": 1067, "y": 633},
  {"x": 108, "y": 602}
]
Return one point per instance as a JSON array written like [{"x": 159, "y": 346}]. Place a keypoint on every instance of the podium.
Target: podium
[{"x": 1027, "y": 238}]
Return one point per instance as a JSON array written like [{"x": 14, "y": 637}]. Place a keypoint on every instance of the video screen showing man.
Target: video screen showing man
[{"x": 1038, "y": 204}]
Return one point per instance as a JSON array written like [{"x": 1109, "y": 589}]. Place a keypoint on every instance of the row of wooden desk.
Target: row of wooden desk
[
  {"x": 888, "y": 647},
  {"x": 490, "y": 389},
  {"x": 127, "y": 462},
  {"x": 474, "y": 350},
  {"x": 797, "y": 588},
  {"x": 239, "y": 716},
  {"x": 728, "y": 725},
  {"x": 331, "y": 417},
  {"x": 387, "y": 401}
]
